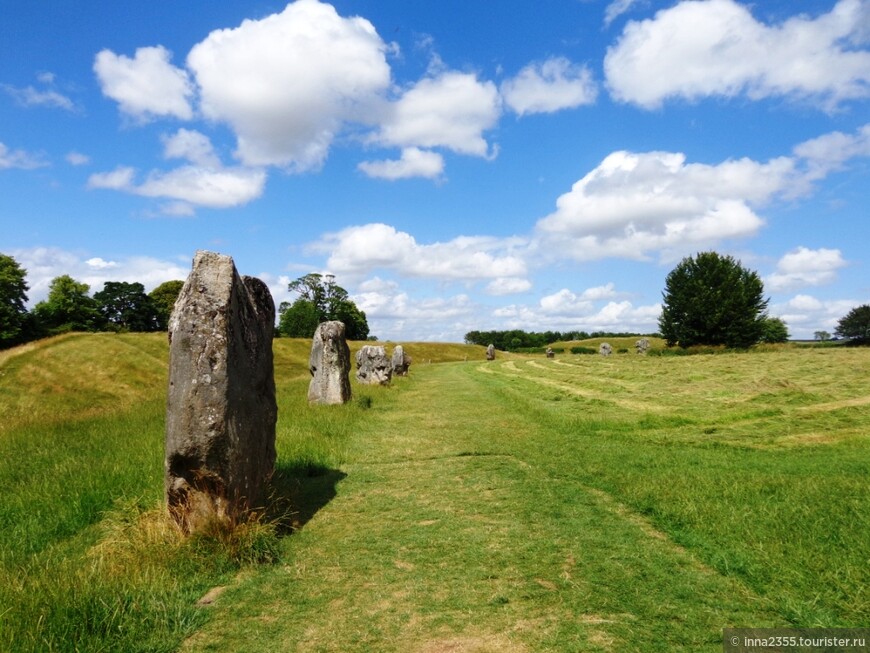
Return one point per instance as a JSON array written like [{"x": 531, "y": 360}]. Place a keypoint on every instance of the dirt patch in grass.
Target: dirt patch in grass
[{"x": 473, "y": 644}]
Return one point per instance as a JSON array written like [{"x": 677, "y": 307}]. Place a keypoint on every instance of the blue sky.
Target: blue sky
[{"x": 457, "y": 165}]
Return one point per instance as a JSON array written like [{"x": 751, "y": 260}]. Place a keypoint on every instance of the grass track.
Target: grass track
[{"x": 512, "y": 514}]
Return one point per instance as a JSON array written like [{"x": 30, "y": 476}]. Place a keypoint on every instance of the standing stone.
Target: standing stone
[
  {"x": 490, "y": 353},
  {"x": 329, "y": 364},
  {"x": 550, "y": 353},
  {"x": 605, "y": 349},
  {"x": 220, "y": 410},
  {"x": 400, "y": 361},
  {"x": 372, "y": 366},
  {"x": 642, "y": 345}
]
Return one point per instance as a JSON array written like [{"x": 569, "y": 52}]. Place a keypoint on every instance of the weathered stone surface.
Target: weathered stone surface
[
  {"x": 372, "y": 366},
  {"x": 221, "y": 410},
  {"x": 550, "y": 353},
  {"x": 329, "y": 364},
  {"x": 605, "y": 349},
  {"x": 490, "y": 353},
  {"x": 642, "y": 346},
  {"x": 400, "y": 361}
]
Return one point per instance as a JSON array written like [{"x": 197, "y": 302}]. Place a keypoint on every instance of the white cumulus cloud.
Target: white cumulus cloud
[
  {"x": 450, "y": 110},
  {"x": 700, "y": 49},
  {"x": 805, "y": 314},
  {"x": 633, "y": 204},
  {"x": 508, "y": 286},
  {"x": 100, "y": 264},
  {"x": 413, "y": 163},
  {"x": 394, "y": 314},
  {"x": 550, "y": 86},
  {"x": 214, "y": 188},
  {"x": 359, "y": 250},
  {"x": 146, "y": 86},
  {"x": 564, "y": 303},
  {"x": 805, "y": 267},
  {"x": 287, "y": 83},
  {"x": 191, "y": 145},
  {"x": 830, "y": 152}
]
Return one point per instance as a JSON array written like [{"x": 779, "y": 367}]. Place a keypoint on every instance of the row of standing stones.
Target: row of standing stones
[
  {"x": 221, "y": 409},
  {"x": 329, "y": 364}
]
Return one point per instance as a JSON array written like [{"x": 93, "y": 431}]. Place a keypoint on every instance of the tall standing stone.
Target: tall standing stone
[
  {"x": 490, "y": 353},
  {"x": 605, "y": 349},
  {"x": 372, "y": 366},
  {"x": 400, "y": 361},
  {"x": 642, "y": 345},
  {"x": 329, "y": 364},
  {"x": 221, "y": 409}
]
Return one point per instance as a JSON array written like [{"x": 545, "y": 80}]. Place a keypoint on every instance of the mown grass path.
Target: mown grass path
[{"x": 574, "y": 505}]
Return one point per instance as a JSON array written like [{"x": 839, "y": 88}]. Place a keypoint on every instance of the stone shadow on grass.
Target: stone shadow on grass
[{"x": 299, "y": 492}]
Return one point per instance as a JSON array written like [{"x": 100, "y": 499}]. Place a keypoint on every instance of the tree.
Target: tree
[
  {"x": 68, "y": 307},
  {"x": 355, "y": 324},
  {"x": 320, "y": 299},
  {"x": 299, "y": 319},
  {"x": 126, "y": 306},
  {"x": 855, "y": 325},
  {"x": 774, "y": 330},
  {"x": 822, "y": 336},
  {"x": 14, "y": 322},
  {"x": 711, "y": 299},
  {"x": 163, "y": 297}
]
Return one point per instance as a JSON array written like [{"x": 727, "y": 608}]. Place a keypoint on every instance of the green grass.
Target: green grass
[{"x": 629, "y": 503}]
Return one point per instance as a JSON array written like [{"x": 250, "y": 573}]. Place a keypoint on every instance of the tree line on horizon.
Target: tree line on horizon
[
  {"x": 709, "y": 299},
  {"x": 517, "y": 339}
]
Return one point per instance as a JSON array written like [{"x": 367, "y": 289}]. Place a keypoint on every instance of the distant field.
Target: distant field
[{"x": 629, "y": 503}]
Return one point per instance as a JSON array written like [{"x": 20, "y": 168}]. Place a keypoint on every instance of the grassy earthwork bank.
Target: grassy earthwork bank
[{"x": 582, "y": 503}]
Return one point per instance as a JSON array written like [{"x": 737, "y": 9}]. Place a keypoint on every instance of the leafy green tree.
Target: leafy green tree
[
  {"x": 14, "y": 322},
  {"x": 320, "y": 299},
  {"x": 299, "y": 319},
  {"x": 355, "y": 323},
  {"x": 822, "y": 336},
  {"x": 68, "y": 307},
  {"x": 775, "y": 330},
  {"x": 126, "y": 306},
  {"x": 855, "y": 325},
  {"x": 711, "y": 299},
  {"x": 163, "y": 297}
]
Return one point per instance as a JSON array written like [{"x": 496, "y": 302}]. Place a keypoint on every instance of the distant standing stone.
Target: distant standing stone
[
  {"x": 550, "y": 353},
  {"x": 605, "y": 349},
  {"x": 400, "y": 361},
  {"x": 221, "y": 410},
  {"x": 642, "y": 346},
  {"x": 490, "y": 353},
  {"x": 329, "y": 364},
  {"x": 372, "y": 366}
]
